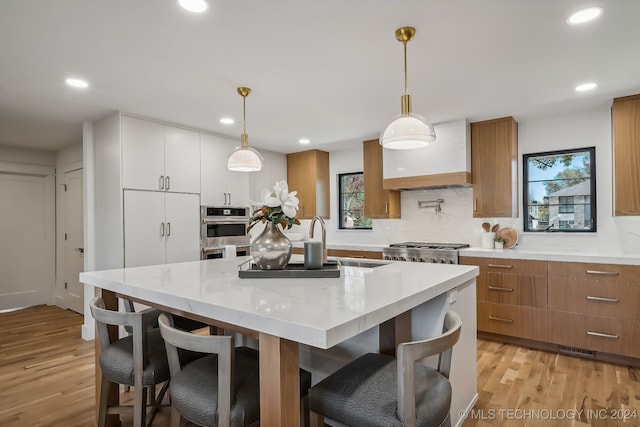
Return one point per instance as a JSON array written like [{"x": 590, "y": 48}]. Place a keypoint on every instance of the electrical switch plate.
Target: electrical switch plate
[{"x": 453, "y": 296}]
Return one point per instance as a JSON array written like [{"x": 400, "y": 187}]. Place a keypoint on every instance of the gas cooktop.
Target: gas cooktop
[{"x": 424, "y": 245}]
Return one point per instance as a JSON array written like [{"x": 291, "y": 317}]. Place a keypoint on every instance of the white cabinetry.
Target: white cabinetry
[
  {"x": 160, "y": 227},
  {"x": 220, "y": 186},
  {"x": 159, "y": 157},
  {"x": 274, "y": 170}
]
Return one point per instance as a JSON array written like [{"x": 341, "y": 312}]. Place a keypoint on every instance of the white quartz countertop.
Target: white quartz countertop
[
  {"x": 317, "y": 312},
  {"x": 588, "y": 255}
]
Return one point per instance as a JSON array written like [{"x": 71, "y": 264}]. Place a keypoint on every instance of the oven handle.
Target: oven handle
[{"x": 226, "y": 221}]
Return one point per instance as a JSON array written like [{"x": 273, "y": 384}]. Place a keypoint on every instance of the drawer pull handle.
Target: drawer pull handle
[
  {"x": 498, "y": 288},
  {"x": 500, "y": 266},
  {"x": 500, "y": 319},
  {"x": 604, "y": 273},
  {"x": 602, "y": 335},
  {"x": 592, "y": 298}
]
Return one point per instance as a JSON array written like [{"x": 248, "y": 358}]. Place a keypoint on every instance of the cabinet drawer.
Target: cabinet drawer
[
  {"x": 618, "y": 300},
  {"x": 595, "y": 272},
  {"x": 595, "y": 333},
  {"x": 530, "y": 291},
  {"x": 515, "y": 321}
]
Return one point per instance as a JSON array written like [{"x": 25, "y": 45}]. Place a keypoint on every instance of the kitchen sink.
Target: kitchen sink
[{"x": 364, "y": 263}]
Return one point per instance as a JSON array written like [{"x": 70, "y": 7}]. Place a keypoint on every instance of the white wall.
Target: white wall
[
  {"x": 28, "y": 156},
  {"x": 455, "y": 223}
]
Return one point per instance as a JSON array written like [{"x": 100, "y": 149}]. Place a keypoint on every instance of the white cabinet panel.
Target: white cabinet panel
[
  {"x": 219, "y": 186},
  {"x": 143, "y": 228},
  {"x": 159, "y": 157},
  {"x": 182, "y": 160},
  {"x": 160, "y": 227},
  {"x": 183, "y": 227},
  {"x": 142, "y": 154},
  {"x": 274, "y": 170}
]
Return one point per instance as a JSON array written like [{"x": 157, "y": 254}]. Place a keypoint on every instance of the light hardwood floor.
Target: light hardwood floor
[{"x": 47, "y": 379}]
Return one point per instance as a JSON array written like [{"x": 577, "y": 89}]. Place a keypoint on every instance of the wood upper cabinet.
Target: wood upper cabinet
[
  {"x": 494, "y": 158},
  {"x": 378, "y": 203},
  {"x": 625, "y": 118},
  {"x": 308, "y": 174}
]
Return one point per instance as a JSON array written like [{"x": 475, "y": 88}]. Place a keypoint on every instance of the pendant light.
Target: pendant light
[
  {"x": 408, "y": 130},
  {"x": 244, "y": 158}
]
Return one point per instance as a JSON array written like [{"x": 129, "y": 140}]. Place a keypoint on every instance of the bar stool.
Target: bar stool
[
  {"x": 138, "y": 360},
  {"x": 385, "y": 391}
]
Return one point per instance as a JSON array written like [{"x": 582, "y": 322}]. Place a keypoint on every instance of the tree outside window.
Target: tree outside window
[
  {"x": 559, "y": 190},
  {"x": 351, "y": 202}
]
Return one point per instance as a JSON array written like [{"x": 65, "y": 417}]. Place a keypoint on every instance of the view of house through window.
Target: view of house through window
[
  {"x": 559, "y": 190},
  {"x": 351, "y": 203}
]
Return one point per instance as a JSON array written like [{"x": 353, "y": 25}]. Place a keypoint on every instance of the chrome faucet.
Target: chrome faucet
[{"x": 324, "y": 235}]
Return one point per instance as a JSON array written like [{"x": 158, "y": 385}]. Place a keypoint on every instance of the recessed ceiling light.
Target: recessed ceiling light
[
  {"x": 197, "y": 6},
  {"x": 304, "y": 141},
  {"x": 584, "y": 15},
  {"x": 227, "y": 121},
  {"x": 79, "y": 83},
  {"x": 586, "y": 86}
]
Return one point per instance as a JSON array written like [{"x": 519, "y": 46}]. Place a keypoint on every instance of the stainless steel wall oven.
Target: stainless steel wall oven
[{"x": 222, "y": 226}]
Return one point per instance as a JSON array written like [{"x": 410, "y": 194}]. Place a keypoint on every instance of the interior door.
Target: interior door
[
  {"x": 183, "y": 227},
  {"x": 23, "y": 248},
  {"x": 73, "y": 247},
  {"x": 144, "y": 228}
]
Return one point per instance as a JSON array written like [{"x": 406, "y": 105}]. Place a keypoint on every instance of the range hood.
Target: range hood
[{"x": 446, "y": 162}]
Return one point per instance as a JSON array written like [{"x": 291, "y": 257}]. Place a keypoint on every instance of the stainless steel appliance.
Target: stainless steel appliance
[
  {"x": 439, "y": 253},
  {"x": 222, "y": 226}
]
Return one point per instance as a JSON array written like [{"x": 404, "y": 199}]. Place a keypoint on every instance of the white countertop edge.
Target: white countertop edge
[
  {"x": 303, "y": 333},
  {"x": 554, "y": 255}
]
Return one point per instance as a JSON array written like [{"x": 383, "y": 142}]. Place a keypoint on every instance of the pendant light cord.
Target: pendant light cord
[{"x": 404, "y": 43}]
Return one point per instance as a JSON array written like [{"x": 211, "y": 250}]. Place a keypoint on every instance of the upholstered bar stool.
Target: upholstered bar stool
[
  {"x": 138, "y": 360},
  {"x": 385, "y": 391},
  {"x": 221, "y": 389}
]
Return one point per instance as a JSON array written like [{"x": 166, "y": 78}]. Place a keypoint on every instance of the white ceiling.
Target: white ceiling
[{"x": 328, "y": 70}]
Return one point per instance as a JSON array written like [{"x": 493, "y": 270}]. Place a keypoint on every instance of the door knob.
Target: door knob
[{"x": 81, "y": 250}]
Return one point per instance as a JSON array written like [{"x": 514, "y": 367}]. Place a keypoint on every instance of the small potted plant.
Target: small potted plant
[{"x": 498, "y": 242}]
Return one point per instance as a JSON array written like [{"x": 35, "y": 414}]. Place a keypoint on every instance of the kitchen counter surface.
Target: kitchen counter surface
[
  {"x": 587, "y": 256},
  {"x": 317, "y": 312}
]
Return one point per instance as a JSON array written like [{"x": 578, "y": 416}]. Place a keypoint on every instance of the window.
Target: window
[
  {"x": 560, "y": 190},
  {"x": 351, "y": 202}
]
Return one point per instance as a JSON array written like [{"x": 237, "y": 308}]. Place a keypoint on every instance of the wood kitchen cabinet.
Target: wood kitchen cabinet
[
  {"x": 595, "y": 307},
  {"x": 219, "y": 185},
  {"x": 378, "y": 203},
  {"x": 308, "y": 174},
  {"x": 161, "y": 227},
  {"x": 159, "y": 157},
  {"x": 512, "y": 297},
  {"x": 494, "y": 153},
  {"x": 625, "y": 119}
]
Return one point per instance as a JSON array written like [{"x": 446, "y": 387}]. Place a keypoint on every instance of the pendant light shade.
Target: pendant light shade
[
  {"x": 408, "y": 130},
  {"x": 244, "y": 158}
]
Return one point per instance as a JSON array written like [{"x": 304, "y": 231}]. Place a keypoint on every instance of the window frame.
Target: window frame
[
  {"x": 341, "y": 199},
  {"x": 592, "y": 205}
]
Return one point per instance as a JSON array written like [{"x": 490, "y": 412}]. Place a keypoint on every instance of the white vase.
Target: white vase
[
  {"x": 487, "y": 239},
  {"x": 498, "y": 245}
]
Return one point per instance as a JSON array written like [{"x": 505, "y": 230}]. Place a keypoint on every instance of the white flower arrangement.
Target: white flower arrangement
[{"x": 279, "y": 206}]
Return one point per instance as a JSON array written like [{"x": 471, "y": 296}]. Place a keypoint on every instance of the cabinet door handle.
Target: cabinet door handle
[
  {"x": 602, "y": 335},
  {"x": 604, "y": 273},
  {"x": 225, "y": 199},
  {"x": 500, "y": 319},
  {"x": 386, "y": 208},
  {"x": 162, "y": 229},
  {"x": 168, "y": 229},
  {"x": 229, "y": 198},
  {"x": 604, "y": 299},
  {"x": 475, "y": 205},
  {"x": 500, "y": 266},
  {"x": 167, "y": 181},
  {"x": 161, "y": 182},
  {"x": 498, "y": 288}
]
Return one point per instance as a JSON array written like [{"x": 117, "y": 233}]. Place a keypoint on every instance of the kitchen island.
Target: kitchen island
[{"x": 366, "y": 309}]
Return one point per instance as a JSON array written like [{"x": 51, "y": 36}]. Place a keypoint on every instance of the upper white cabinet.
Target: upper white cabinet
[
  {"x": 220, "y": 186},
  {"x": 274, "y": 170},
  {"x": 160, "y": 227},
  {"x": 159, "y": 157}
]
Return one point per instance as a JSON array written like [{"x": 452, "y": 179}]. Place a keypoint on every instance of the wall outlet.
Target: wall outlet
[{"x": 453, "y": 296}]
